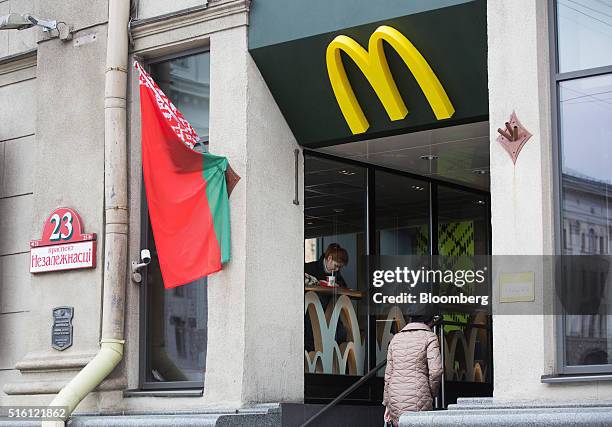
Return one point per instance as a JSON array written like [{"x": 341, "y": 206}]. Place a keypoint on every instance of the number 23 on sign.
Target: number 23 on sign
[{"x": 64, "y": 245}]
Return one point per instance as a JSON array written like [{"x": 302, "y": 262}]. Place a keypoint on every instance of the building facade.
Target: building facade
[{"x": 374, "y": 126}]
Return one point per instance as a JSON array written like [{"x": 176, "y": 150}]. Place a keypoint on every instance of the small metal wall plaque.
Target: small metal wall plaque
[
  {"x": 514, "y": 137},
  {"x": 61, "y": 334}
]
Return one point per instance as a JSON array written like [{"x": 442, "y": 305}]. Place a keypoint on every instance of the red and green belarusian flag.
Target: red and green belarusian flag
[{"x": 186, "y": 191}]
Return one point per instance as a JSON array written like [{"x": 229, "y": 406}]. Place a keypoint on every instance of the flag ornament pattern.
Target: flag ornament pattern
[
  {"x": 186, "y": 191},
  {"x": 184, "y": 131}
]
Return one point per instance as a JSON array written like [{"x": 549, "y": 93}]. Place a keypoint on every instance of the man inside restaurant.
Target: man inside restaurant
[
  {"x": 334, "y": 258},
  {"x": 329, "y": 264}
]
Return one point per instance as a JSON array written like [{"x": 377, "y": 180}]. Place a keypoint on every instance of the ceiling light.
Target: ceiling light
[
  {"x": 417, "y": 188},
  {"x": 480, "y": 171},
  {"x": 346, "y": 172},
  {"x": 481, "y": 202},
  {"x": 338, "y": 210},
  {"x": 429, "y": 157}
]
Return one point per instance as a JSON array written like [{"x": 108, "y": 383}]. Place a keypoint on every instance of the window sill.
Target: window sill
[
  {"x": 163, "y": 393},
  {"x": 574, "y": 378}
]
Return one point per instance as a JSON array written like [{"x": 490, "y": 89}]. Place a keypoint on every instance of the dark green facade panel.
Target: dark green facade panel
[
  {"x": 280, "y": 21},
  {"x": 452, "y": 40}
]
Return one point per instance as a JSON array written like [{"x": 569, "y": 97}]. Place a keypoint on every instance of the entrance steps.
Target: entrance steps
[
  {"x": 472, "y": 412},
  {"x": 256, "y": 416},
  {"x": 481, "y": 412},
  {"x": 269, "y": 415},
  {"x": 294, "y": 415}
]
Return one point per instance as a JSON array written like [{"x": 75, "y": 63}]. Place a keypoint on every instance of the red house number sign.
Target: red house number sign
[{"x": 63, "y": 246}]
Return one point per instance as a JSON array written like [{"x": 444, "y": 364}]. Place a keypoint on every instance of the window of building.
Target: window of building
[
  {"x": 174, "y": 321},
  {"x": 582, "y": 78},
  {"x": 335, "y": 205},
  {"x": 584, "y": 34},
  {"x": 592, "y": 240}
]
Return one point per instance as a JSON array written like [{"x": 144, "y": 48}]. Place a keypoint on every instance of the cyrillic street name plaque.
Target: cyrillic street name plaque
[
  {"x": 63, "y": 246},
  {"x": 61, "y": 334}
]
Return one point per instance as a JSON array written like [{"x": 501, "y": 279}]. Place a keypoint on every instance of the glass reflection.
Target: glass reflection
[
  {"x": 402, "y": 215},
  {"x": 463, "y": 231},
  {"x": 586, "y": 114},
  {"x": 176, "y": 319},
  {"x": 176, "y": 327},
  {"x": 186, "y": 81},
  {"x": 584, "y": 34},
  {"x": 402, "y": 228},
  {"x": 334, "y": 225}
]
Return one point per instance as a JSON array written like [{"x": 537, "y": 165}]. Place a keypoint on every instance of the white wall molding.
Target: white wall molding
[
  {"x": 17, "y": 68},
  {"x": 43, "y": 362},
  {"x": 53, "y": 387},
  {"x": 187, "y": 27}
]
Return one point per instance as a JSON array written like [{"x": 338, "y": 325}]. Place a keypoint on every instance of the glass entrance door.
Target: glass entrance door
[
  {"x": 369, "y": 210},
  {"x": 463, "y": 232}
]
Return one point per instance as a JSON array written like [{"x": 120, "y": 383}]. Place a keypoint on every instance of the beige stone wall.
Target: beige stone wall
[
  {"x": 17, "y": 163},
  {"x": 152, "y": 8},
  {"x": 52, "y": 154},
  {"x": 255, "y": 336},
  {"x": 524, "y": 346},
  {"x": 62, "y": 164},
  {"x": 15, "y": 42}
]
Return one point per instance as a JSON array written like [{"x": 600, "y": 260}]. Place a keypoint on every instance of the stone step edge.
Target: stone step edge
[
  {"x": 491, "y": 403},
  {"x": 510, "y": 411},
  {"x": 255, "y": 410},
  {"x": 508, "y": 419}
]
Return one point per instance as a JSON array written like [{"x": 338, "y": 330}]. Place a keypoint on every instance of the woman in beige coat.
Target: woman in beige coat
[{"x": 414, "y": 369}]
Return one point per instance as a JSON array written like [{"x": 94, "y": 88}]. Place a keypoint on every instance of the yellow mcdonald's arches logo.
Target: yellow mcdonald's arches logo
[{"x": 373, "y": 64}]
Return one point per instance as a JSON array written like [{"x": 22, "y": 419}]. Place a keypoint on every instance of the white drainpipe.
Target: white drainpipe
[{"x": 115, "y": 215}]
